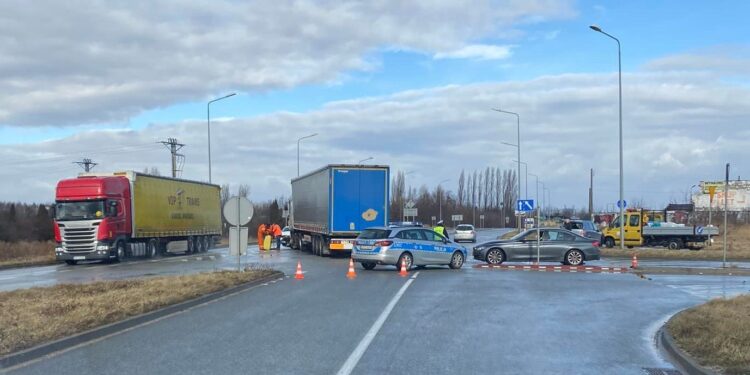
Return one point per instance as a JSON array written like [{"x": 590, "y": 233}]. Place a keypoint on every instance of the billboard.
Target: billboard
[{"x": 738, "y": 197}]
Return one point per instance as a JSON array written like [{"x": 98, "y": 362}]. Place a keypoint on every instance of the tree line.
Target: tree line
[
  {"x": 25, "y": 222},
  {"x": 489, "y": 192}
]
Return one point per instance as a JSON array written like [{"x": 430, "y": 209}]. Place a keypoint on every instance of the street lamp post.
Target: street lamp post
[
  {"x": 526, "y": 170},
  {"x": 622, "y": 183},
  {"x": 517, "y": 145},
  {"x": 298, "y": 140},
  {"x": 364, "y": 160},
  {"x": 208, "y": 127},
  {"x": 440, "y": 199},
  {"x": 538, "y": 218}
]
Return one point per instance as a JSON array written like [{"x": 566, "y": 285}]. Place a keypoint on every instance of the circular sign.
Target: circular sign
[
  {"x": 622, "y": 204},
  {"x": 699, "y": 230},
  {"x": 238, "y": 211}
]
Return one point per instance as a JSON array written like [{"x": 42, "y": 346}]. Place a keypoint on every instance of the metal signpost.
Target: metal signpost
[
  {"x": 409, "y": 211},
  {"x": 524, "y": 206},
  {"x": 238, "y": 211}
]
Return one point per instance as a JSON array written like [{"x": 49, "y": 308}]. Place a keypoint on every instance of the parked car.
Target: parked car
[
  {"x": 414, "y": 246},
  {"x": 465, "y": 232},
  {"x": 555, "y": 245},
  {"x": 585, "y": 228},
  {"x": 286, "y": 236}
]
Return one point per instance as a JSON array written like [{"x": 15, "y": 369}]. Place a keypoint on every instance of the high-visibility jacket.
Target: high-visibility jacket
[
  {"x": 276, "y": 230},
  {"x": 441, "y": 231}
]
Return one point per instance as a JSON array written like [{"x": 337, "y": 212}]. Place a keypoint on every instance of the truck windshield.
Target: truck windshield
[{"x": 88, "y": 210}]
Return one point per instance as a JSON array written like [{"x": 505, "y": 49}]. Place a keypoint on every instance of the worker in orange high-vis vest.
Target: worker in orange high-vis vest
[
  {"x": 276, "y": 232},
  {"x": 261, "y": 234}
]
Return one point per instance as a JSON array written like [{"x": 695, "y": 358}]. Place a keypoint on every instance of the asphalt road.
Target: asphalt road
[{"x": 437, "y": 321}]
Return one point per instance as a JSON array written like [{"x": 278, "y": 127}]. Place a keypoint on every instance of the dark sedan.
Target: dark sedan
[{"x": 555, "y": 245}]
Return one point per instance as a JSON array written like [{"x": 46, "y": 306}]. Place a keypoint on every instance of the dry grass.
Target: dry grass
[
  {"x": 716, "y": 333},
  {"x": 33, "y": 316},
  {"x": 738, "y": 248},
  {"x": 26, "y": 253}
]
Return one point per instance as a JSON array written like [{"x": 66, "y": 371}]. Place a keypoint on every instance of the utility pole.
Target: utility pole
[
  {"x": 86, "y": 163},
  {"x": 591, "y": 195},
  {"x": 726, "y": 194},
  {"x": 173, "y": 146}
]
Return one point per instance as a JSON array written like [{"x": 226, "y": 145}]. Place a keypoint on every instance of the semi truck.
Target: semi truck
[
  {"x": 112, "y": 216},
  {"x": 330, "y": 206},
  {"x": 648, "y": 228}
]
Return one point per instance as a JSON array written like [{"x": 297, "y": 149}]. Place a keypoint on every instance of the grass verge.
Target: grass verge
[
  {"x": 37, "y": 315},
  {"x": 717, "y": 333},
  {"x": 26, "y": 253}
]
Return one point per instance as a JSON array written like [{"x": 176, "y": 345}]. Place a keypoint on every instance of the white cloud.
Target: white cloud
[
  {"x": 478, "y": 52},
  {"x": 97, "y": 61},
  {"x": 678, "y": 129}
]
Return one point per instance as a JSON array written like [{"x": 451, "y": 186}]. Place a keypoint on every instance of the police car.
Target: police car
[{"x": 414, "y": 246}]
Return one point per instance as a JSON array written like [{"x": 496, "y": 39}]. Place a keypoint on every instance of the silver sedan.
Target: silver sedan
[
  {"x": 555, "y": 245},
  {"x": 465, "y": 232}
]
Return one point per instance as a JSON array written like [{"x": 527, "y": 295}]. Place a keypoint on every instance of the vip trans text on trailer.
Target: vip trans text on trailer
[
  {"x": 331, "y": 205},
  {"x": 117, "y": 215}
]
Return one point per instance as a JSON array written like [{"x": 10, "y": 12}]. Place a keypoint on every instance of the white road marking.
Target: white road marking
[
  {"x": 8, "y": 277},
  {"x": 359, "y": 351}
]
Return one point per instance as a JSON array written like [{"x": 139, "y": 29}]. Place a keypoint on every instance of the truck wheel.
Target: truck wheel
[
  {"x": 609, "y": 242},
  {"x": 675, "y": 244},
  {"x": 153, "y": 248},
  {"x": 71, "y": 262},
  {"x": 120, "y": 251}
]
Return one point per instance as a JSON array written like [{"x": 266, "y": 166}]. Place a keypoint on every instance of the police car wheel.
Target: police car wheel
[
  {"x": 368, "y": 266},
  {"x": 405, "y": 258},
  {"x": 457, "y": 260}
]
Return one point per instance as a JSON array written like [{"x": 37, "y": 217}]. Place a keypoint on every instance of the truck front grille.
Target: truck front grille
[{"x": 79, "y": 240}]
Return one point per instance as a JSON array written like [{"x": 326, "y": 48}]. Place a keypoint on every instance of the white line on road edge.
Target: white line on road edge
[{"x": 356, "y": 355}]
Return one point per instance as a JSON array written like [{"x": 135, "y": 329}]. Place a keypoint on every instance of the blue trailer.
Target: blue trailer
[{"x": 330, "y": 206}]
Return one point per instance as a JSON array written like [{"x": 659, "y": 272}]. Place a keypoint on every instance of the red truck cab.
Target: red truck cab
[{"x": 92, "y": 214}]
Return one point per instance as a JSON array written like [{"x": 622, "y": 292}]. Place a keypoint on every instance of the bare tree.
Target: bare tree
[
  {"x": 243, "y": 190},
  {"x": 461, "y": 188}
]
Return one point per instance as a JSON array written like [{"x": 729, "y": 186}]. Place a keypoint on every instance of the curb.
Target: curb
[
  {"x": 42, "y": 350},
  {"x": 678, "y": 357},
  {"x": 546, "y": 268},
  {"x": 691, "y": 271}
]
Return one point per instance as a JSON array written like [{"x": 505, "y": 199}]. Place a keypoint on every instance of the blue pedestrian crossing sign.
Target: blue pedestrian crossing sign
[{"x": 525, "y": 205}]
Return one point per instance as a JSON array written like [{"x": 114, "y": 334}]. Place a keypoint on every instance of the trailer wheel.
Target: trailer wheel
[
  {"x": 675, "y": 244},
  {"x": 199, "y": 245},
  {"x": 206, "y": 243},
  {"x": 153, "y": 248}
]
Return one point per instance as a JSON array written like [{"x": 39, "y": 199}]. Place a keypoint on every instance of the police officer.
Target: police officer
[{"x": 440, "y": 229}]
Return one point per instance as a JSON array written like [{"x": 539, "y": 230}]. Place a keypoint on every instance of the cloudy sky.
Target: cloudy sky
[{"x": 410, "y": 84}]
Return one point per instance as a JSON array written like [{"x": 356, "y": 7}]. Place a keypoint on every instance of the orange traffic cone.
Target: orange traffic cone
[
  {"x": 403, "y": 272},
  {"x": 299, "y": 275},
  {"x": 351, "y": 274},
  {"x": 634, "y": 262}
]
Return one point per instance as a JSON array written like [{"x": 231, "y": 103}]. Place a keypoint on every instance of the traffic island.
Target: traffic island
[
  {"x": 711, "y": 338},
  {"x": 73, "y": 314}
]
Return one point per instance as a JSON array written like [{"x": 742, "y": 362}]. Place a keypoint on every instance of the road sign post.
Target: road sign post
[{"x": 238, "y": 211}]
